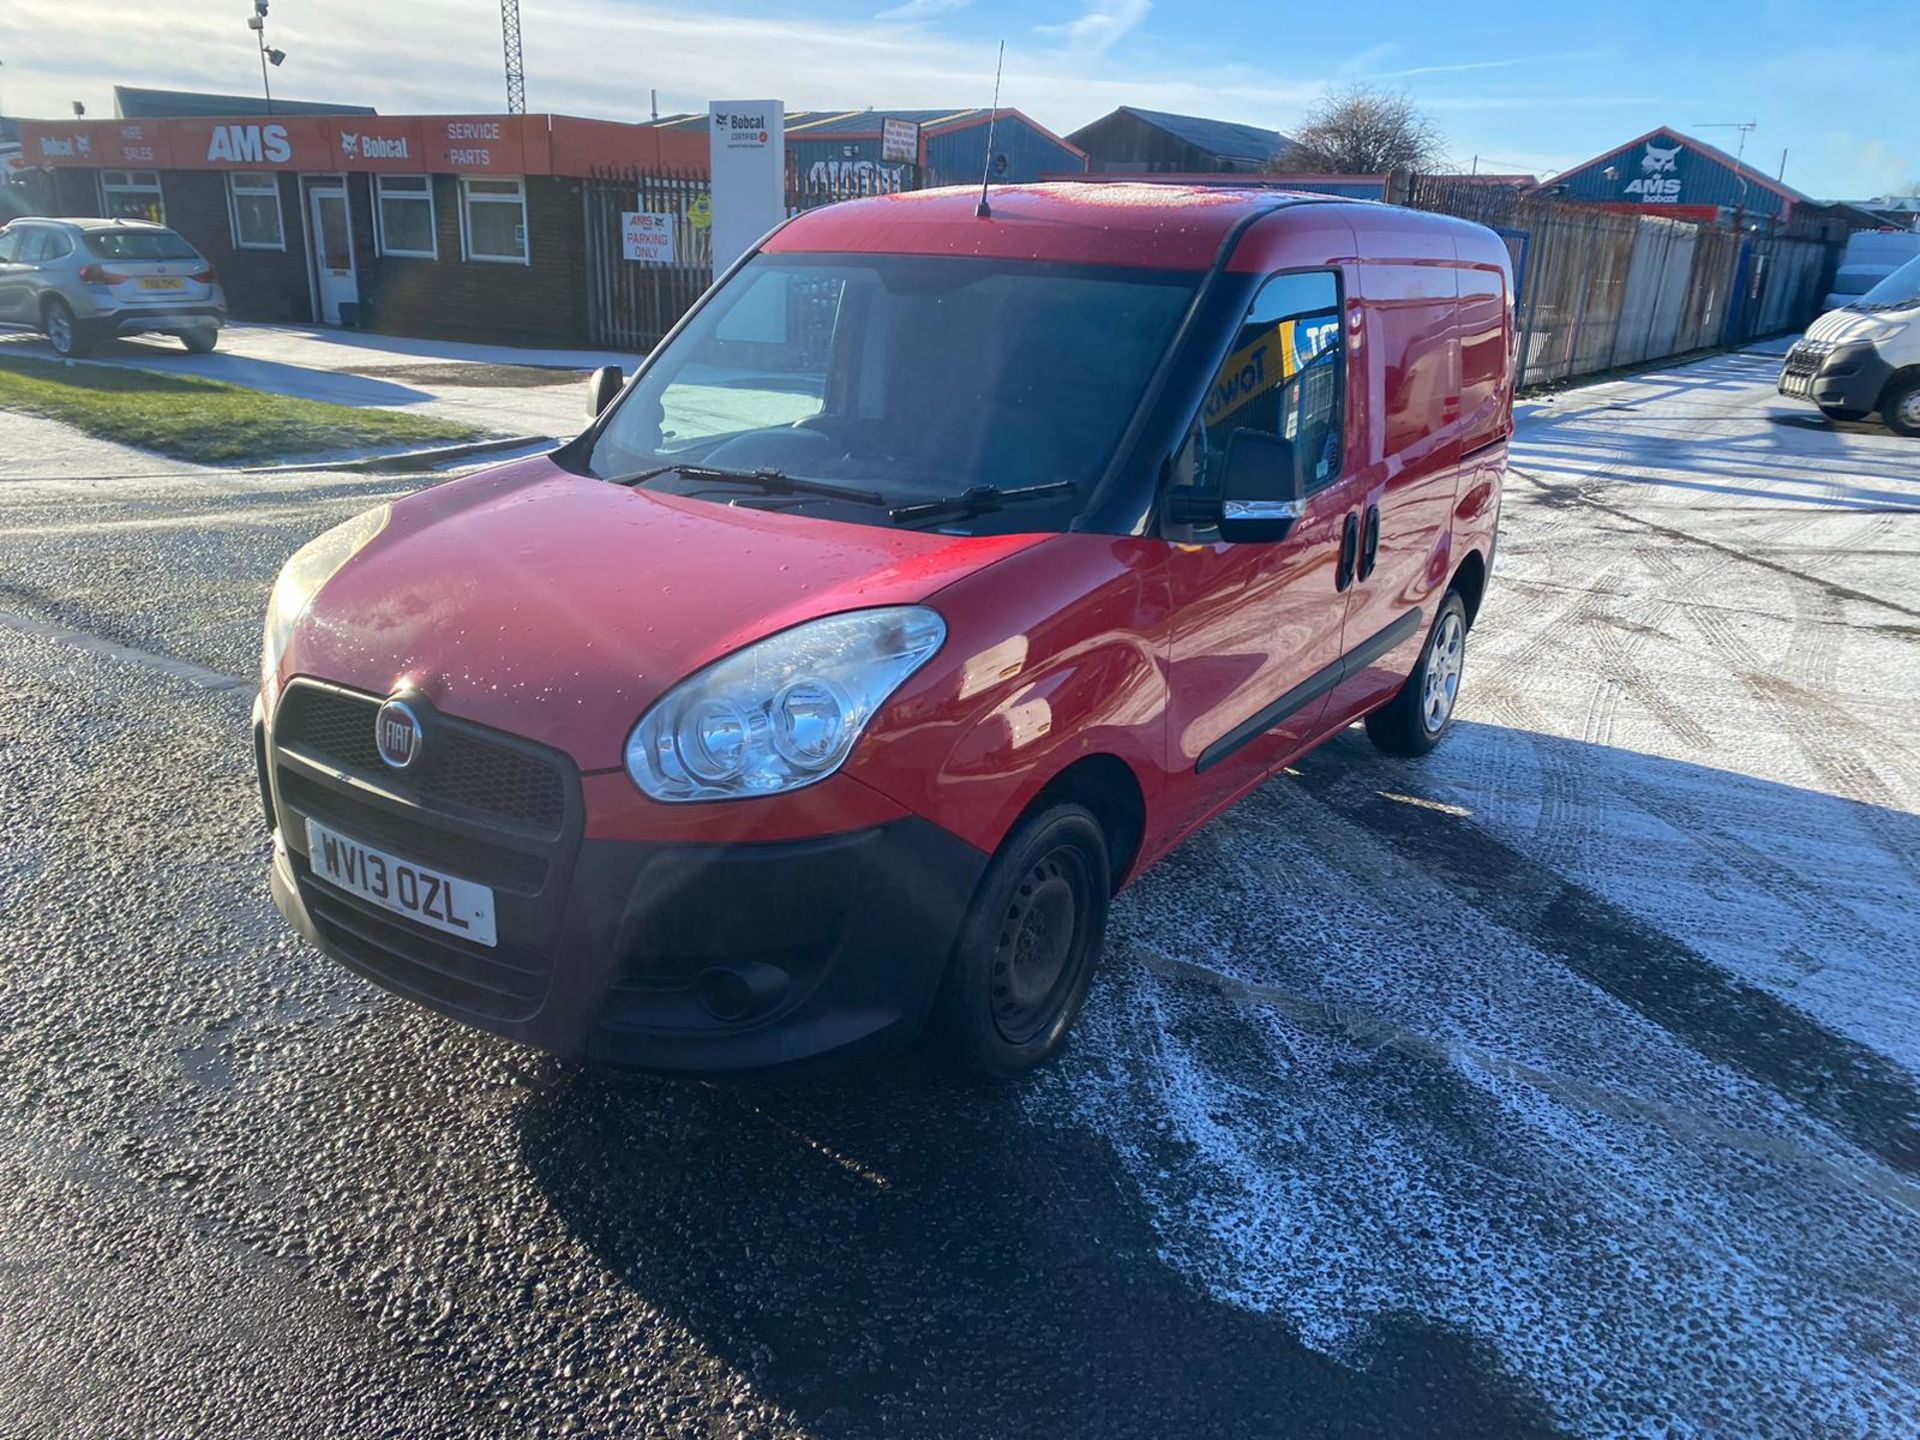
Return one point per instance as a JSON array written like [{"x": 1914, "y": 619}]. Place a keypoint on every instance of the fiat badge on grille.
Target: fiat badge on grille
[{"x": 396, "y": 733}]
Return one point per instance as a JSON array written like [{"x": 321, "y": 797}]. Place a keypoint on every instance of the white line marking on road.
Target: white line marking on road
[{"x": 186, "y": 670}]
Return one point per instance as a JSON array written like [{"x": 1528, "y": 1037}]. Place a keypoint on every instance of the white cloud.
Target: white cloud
[
  {"x": 1100, "y": 25},
  {"x": 922, "y": 10}
]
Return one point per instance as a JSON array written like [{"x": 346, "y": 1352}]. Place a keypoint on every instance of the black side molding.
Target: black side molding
[{"x": 1309, "y": 690}]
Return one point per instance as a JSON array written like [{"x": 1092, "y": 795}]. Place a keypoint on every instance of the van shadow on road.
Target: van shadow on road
[{"x": 892, "y": 1253}]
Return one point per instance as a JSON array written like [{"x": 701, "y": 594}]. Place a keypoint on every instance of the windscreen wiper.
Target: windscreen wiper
[
  {"x": 976, "y": 500},
  {"x": 774, "y": 482}
]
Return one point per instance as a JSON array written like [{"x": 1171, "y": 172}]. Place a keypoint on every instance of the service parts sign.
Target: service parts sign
[
  {"x": 747, "y": 152},
  {"x": 647, "y": 237}
]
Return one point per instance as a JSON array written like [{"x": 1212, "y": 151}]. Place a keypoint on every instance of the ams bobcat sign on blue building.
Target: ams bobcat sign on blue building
[{"x": 1666, "y": 168}]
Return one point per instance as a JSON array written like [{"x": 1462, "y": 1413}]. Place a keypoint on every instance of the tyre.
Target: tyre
[
  {"x": 1836, "y": 412},
  {"x": 200, "y": 342},
  {"x": 66, "y": 334},
  {"x": 1901, "y": 408},
  {"x": 1414, "y": 721},
  {"x": 1025, "y": 954}
]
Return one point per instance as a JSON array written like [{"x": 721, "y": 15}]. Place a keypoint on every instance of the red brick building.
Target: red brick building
[{"x": 465, "y": 226}]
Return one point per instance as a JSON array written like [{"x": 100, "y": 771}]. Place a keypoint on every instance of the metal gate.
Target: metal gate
[{"x": 630, "y": 303}]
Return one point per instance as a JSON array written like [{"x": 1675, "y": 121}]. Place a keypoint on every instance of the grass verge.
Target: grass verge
[{"x": 207, "y": 421}]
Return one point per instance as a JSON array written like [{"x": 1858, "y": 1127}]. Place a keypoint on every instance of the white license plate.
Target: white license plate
[
  {"x": 430, "y": 897},
  {"x": 163, "y": 282}
]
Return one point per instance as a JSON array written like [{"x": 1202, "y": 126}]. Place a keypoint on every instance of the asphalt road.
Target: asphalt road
[{"x": 1565, "y": 1082}]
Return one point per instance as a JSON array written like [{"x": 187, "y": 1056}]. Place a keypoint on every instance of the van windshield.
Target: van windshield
[
  {"x": 1899, "y": 291},
  {"x": 909, "y": 378}
]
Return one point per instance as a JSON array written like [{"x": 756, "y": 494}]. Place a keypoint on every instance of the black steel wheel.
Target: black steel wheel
[{"x": 1026, "y": 951}]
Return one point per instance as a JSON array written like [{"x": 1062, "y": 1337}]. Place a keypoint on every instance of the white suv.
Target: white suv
[{"x": 80, "y": 281}]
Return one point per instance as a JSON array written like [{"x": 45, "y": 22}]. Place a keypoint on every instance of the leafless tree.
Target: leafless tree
[{"x": 1362, "y": 131}]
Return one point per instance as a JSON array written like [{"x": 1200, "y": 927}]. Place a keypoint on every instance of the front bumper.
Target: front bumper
[
  {"x": 1847, "y": 376},
  {"x": 663, "y": 955}
]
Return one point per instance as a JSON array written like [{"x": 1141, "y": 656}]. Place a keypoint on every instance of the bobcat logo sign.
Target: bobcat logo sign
[
  {"x": 258, "y": 144},
  {"x": 349, "y": 145},
  {"x": 1658, "y": 184}
]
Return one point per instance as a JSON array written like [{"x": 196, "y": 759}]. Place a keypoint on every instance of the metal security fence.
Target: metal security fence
[
  {"x": 1600, "y": 289},
  {"x": 631, "y": 304}
]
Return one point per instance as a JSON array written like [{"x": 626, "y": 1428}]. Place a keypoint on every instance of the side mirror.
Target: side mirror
[
  {"x": 1261, "y": 494},
  {"x": 602, "y": 385}
]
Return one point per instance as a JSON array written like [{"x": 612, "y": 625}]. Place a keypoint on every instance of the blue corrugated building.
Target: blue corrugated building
[
  {"x": 1677, "y": 173},
  {"x": 828, "y": 146}
]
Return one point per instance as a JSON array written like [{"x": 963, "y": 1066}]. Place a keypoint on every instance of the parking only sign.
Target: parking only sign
[{"x": 647, "y": 237}]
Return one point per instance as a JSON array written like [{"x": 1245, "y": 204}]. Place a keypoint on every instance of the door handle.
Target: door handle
[
  {"x": 1370, "y": 541},
  {"x": 1349, "y": 551}
]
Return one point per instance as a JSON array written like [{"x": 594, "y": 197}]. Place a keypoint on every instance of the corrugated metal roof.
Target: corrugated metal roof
[
  {"x": 1227, "y": 139},
  {"x": 130, "y": 102}
]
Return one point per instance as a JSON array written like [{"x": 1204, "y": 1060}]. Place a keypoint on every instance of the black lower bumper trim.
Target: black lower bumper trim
[{"x": 696, "y": 958}]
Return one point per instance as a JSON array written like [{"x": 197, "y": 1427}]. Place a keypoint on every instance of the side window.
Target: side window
[
  {"x": 10, "y": 245},
  {"x": 1286, "y": 374},
  {"x": 57, "y": 246},
  {"x": 33, "y": 246}
]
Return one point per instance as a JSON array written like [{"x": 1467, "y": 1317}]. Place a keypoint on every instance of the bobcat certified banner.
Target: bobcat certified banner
[{"x": 747, "y": 150}]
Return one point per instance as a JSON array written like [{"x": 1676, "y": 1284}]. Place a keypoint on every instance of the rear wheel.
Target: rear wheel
[
  {"x": 1026, "y": 949},
  {"x": 65, "y": 333},
  {"x": 200, "y": 342},
  {"x": 1413, "y": 722},
  {"x": 1901, "y": 408},
  {"x": 1839, "y": 412}
]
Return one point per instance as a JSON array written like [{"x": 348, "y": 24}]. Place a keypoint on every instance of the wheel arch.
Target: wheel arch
[
  {"x": 1106, "y": 785},
  {"x": 1470, "y": 579}
]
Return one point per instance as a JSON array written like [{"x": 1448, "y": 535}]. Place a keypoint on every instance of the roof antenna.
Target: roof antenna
[{"x": 984, "y": 211}]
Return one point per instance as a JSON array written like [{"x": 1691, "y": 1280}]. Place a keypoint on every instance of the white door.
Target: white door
[{"x": 337, "y": 282}]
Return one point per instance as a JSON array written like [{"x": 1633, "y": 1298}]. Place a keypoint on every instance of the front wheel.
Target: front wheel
[
  {"x": 1901, "y": 408},
  {"x": 1413, "y": 722},
  {"x": 1840, "y": 412},
  {"x": 1026, "y": 950},
  {"x": 64, "y": 332}
]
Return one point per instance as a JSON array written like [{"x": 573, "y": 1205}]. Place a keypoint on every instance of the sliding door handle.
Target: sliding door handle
[
  {"x": 1349, "y": 551},
  {"x": 1370, "y": 541}
]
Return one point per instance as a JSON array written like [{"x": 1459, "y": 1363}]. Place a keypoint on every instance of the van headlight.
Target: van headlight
[
  {"x": 782, "y": 713},
  {"x": 310, "y": 567}
]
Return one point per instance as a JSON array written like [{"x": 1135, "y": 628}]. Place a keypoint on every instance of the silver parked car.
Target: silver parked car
[{"x": 80, "y": 281}]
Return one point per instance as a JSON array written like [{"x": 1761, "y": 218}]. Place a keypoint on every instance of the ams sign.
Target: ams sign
[{"x": 249, "y": 144}]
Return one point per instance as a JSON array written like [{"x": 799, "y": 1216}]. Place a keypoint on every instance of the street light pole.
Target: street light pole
[{"x": 257, "y": 22}]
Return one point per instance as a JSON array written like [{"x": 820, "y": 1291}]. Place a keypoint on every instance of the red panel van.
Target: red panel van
[{"x": 932, "y": 579}]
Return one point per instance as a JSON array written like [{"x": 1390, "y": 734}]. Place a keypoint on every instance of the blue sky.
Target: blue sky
[{"x": 1524, "y": 86}]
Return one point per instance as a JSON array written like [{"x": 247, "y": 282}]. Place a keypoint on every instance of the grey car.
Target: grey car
[{"x": 80, "y": 281}]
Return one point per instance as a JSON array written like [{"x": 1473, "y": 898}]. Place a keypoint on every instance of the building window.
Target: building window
[
  {"x": 493, "y": 220},
  {"x": 254, "y": 200},
  {"x": 132, "y": 195},
  {"x": 403, "y": 210}
]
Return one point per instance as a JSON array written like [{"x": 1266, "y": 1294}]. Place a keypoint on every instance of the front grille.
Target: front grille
[
  {"x": 486, "y": 807},
  {"x": 498, "y": 984},
  {"x": 457, "y": 766},
  {"x": 461, "y": 856}
]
